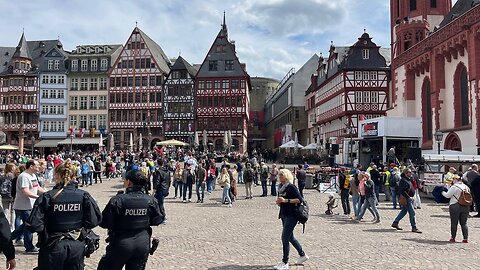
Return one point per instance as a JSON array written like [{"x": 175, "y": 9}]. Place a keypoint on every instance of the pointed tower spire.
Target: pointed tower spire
[
  {"x": 22, "y": 49},
  {"x": 224, "y": 31}
]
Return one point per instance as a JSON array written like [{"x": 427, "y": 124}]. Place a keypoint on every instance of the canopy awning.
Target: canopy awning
[
  {"x": 8, "y": 147},
  {"x": 291, "y": 144},
  {"x": 172, "y": 143},
  {"x": 47, "y": 143},
  {"x": 78, "y": 141}
]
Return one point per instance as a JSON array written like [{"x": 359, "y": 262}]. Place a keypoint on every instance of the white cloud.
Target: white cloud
[{"x": 271, "y": 36}]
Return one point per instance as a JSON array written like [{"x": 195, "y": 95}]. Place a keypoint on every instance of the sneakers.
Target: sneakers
[
  {"x": 189, "y": 200},
  {"x": 281, "y": 266},
  {"x": 32, "y": 251},
  {"x": 229, "y": 205},
  {"x": 465, "y": 241},
  {"x": 416, "y": 230},
  {"x": 452, "y": 240},
  {"x": 395, "y": 225},
  {"x": 377, "y": 221},
  {"x": 184, "y": 201},
  {"x": 302, "y": 259}
]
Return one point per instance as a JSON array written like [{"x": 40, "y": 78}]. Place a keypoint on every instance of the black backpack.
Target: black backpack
[
  {"x": 302, "y": 213},
  {"x": 6, "y": 187},
  {"x": 393, "y": 180}
]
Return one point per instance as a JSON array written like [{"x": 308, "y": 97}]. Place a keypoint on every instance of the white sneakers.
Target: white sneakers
[
  {"x": 281, "y": 266},
  {"x": 284, "y": 266},
  {"x": 302, "y": 259}
]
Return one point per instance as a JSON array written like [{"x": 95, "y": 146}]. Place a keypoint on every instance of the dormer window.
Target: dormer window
[
  {"x": 87, "y": 50},
  {"x": 365, "y": 54},
  {"x": 97, "y": 50},
  {"x": 50, "y": 64}
]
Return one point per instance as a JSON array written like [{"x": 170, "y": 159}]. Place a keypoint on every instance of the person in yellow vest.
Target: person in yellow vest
[
  {"x": 370, "y": 167},
  {"x": 386, "y": 185},
  {"x": 448, "y": 179}
]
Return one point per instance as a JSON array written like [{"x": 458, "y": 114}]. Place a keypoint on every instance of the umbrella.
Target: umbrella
[
  {"x": 172, "y": 143},
  {"x": 140, "y": 143},
  {"x": 204, "y": 138},
  {"x": 131, "y": 141},
  {"x": 230, "y": 140},
  {"x": 111, "y": 143},
  {"x": 8, "y": 147},
  {"x": 100, "y": 144},
  {"x": 225, "y": 139},
  {"x": 312, "y": 146},
  {"x": 296, "y": 140},
  {"x": 196, "y": 141},
  {"x": 291, "y": 144}
]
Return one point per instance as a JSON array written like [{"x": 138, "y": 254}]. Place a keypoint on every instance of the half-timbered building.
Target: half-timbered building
[
  {"x": 352, "y": 83},
  {"x": 436, "y": 70},
  {"x": 135, "y": 92},
  {"x": 178, "y": 102},
  {"x": 19, "y": 95},
  {"x": 222, "y": 94}
]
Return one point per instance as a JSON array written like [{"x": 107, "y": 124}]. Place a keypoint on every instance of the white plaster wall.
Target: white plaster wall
[{"x": 399, "y": 107}]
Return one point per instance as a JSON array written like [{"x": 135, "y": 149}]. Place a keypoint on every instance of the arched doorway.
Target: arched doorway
[{"x": 453, "y": 142}]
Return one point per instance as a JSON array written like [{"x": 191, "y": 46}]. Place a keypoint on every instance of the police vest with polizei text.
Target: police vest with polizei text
[
  {"x": 134, "y": 214},
  {"x": 66, "y": 211}
]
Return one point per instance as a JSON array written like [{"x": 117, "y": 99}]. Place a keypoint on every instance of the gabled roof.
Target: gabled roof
[
  {"x": 458, "y": 10},
  {"x": 22, "y": 48},
  {"x": 182, "y": 64},
  {"x": 39, "y": 50},
  {"x": 226, "y": 52},
  {"x": 6, "y": 54},
  {"x": 161, "y": 58}
]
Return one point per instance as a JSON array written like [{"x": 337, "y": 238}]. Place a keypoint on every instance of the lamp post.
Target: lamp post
[
  {"x": 33, "y": 143},
  {"x": 438, "y": 138}
]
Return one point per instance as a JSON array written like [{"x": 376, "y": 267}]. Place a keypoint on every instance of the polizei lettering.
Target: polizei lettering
[
  {"x": 136, "y": 212},
  {"x": 68, "y": 207}
]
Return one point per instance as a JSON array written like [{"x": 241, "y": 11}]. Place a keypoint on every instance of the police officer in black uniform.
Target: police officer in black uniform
[
  {"x": 60, "y": 217},
  {"x": 128, "y": 218}
]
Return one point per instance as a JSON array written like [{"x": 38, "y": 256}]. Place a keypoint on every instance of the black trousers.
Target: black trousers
[
  {"x": 188, "y": 186},
  {"x": 344, "y": 195},
  {"x": 97, "y": 176},
  {"x": 65, "y": 255},
  {"x": 301, "y": 187},
  {"x": 131, "y": 252}
]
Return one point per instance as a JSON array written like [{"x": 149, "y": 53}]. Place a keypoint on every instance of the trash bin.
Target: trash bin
[{"x": 309, "y": 181}]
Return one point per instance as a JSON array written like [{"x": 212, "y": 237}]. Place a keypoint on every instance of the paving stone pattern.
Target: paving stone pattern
[{"x": 247, "y": 236}]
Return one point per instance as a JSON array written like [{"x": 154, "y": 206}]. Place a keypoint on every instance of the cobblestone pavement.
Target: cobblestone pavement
[{"x": 247, "y": 236}]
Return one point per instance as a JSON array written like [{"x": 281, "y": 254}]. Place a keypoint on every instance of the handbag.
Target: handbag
[{"x": 403, "y": 200}]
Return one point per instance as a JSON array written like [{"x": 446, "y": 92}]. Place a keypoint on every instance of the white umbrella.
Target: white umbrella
[
  {"x": 140, "y": 144},
  {"x": 204, "y": 138},
  {"x": 196, "y": 141},
  {"x": 131, "y": 141},
  {"x": 230, "y": 140},
  {"x": 225, "y": 139},
  {"x": 100, "y": 143},
  {"x": 311, "y": 146},
  {"x": 296, "y": 140},
  {"x": 111, "y": 143},
  {"x": 291, "y": 144}
]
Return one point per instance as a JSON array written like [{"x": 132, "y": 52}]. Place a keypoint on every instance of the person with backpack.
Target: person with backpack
[
  {"x": 393, "y": 181},
  {"x": 289, "y": 199},
  {"x": 459, "y": 207},
  {"x": 249, "y": 177}
]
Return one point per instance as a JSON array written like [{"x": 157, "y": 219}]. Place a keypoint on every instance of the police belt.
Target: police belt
[{"x": 56, "y": 237}]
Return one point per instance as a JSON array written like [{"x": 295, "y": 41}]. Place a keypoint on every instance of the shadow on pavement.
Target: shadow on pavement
[
  {"x": 427, "y": 241},
  {"x": 239, "y": 267},
  {"x": 385, "y": 230},
  {"x": 439, "y": 216}
]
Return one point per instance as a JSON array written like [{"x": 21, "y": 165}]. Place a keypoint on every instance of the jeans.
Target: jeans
[
  {"x": 356, "y": 204},
  {"x": 301, "y": 187},
  {"x": 90, "y": 177},
  {"x": 360, "y": 206},
  {"x": 240, "y": 177},
  {"x": 459, "y": 213},
  {"x": 200, "y": 191},
  {"x": 226, "y": 195},
  {"x": 178, "y": 187},
  {"x": 84, "y": 179},
  {"x": 377, "y": 193},
  {"x": 411, "y": 214},
  {"x": 248, "y": 189},
  {"x": 27, "y": 236},
  {"x": 189, "y": 187},
  {"x": 210, "y": 181},
  {"x": 394, "y": 197},
  {"x": 274, "y": 188},
  {"x": 344, "y": 195},
  {"x": 289, "y": 223},
  {"x": 370, "y": 203},
  {"x": 387, "y": 193},
  {"x": 160, "y": 196},
  {"x": 264, "y": 187}
]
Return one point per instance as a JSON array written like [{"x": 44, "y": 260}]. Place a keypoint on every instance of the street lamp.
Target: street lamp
[
  {"x": 33, "y": 143},
  {"x": 438, "y": 138},
  {"x": 349, "y": 131}
]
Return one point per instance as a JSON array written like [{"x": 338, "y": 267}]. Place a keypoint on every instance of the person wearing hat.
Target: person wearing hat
[
  {"x": 59, "y": 216},
  {"x": 458, "y": 213},
  {"x": 128, "y": 218}
]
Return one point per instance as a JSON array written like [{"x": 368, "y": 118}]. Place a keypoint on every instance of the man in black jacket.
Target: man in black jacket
[
  {"x": 161, "y": 184},
  {"x": 301, "y": 178},
  {"x": 406, "y": 190},
  {"x": 375, "y": 176},
  {"x": 6, "y": 245},
  {"x": 344, "y": 192},
  {"x": 475, "y": 189}
]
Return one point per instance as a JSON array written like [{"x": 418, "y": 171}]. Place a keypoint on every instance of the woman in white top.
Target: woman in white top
[{"x": 458, "y": 212}]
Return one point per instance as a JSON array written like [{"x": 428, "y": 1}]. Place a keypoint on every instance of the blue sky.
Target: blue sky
[{"x": 271, "y": 36}]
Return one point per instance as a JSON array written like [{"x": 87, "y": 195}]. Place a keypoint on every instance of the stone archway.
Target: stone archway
[{"x": 453, "y": 142}]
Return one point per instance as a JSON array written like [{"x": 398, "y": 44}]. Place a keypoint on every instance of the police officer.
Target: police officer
[
  {"x": 60, "y": 216},
  {"x": 128, "y": 218}
]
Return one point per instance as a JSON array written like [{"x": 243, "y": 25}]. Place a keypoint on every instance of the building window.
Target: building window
[
  {"x": 44, "y": 93},
  {"x": 61, "y": 79},
  {"x": 92, "y": 121},
  {"x": 73, "y": 103},
  {"x": 93, "y": 64},
  {"x": 44, "y": 79},
  {"x": 93, "y": 102},
  {"x": 175, "y": 74},
  {"x": 74, "y": 65},
  {"x": 73, "y": 121},
  {"x": 84, "y": 66},
  {"x": 102, "y": 102},
  {"x": 228, "y": 64},
  {"x": 213, "y": 65},
  {"x": 74, "y": 84},
  {"x": 83, "y": 84},
  {"x": 234, "y": 84},
  {"x": 93, "y": 84},
  {"x": 56, "y": 65},
  {"x": 464, "y": 97},
  {"x": 45, "y": 126},
  {"x": 208, "y": 85},
  {"x": 61, "y": 94},
  {"x": 365, "y": 54},
  {"x": 103, "y": 64},
  {"x": 373, "y": 75},
  {"x": 83, "y": 103},
  {"x": 413, "y": 5},
  {"x": 103, "y": 83},
  {"x": 358, "y": 75},
  {"x": 83, "y": 121},
  {"x": 102, "y": 121},
  {"x": 226, "y": 84},
  {"x": 427, "y": 122},
  {"x": 53, "y": 93},
  {"x": 53, "y": 79},
  {"x": 50, "y": 64}
]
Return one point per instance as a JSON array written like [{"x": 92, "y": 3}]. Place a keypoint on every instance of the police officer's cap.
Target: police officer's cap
[{"x": 136, "y": 177}]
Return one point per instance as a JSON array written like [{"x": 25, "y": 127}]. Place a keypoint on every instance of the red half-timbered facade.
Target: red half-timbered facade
[
  {"x": 436, "y": 76},
  {"x": 352, "y": 83},
  {"x": 18, "y": 95},
  {"x": 136, "y": 89},
  {"x": 222, "y": 94}
]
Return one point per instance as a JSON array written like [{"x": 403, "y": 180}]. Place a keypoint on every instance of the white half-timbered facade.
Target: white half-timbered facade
[
  {"x": 135, "y": 92},
  {"x": 179, "y": 102}
]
